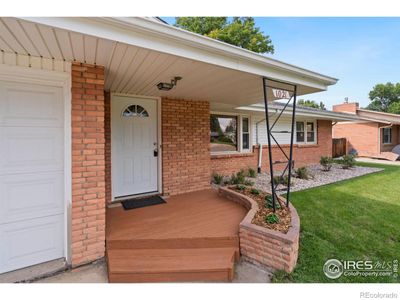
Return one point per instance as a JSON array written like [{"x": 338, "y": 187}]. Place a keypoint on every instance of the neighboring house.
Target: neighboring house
[
  {"x": 84, "y": 122},
  {"x": 312, "y": 138},
  {"x": 375, "y": 134}
]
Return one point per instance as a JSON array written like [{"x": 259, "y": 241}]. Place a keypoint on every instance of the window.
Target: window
[
  {"x": 387, "y": 135},
  {"x": 223, "y": 135},
  {"x": 300, "y": 132},
  {"x": 245, "y": 133},
  {"x": 135, "y": 111},
  {"x": 305, "y": 132},
  {"x": 310, "y": 132}
]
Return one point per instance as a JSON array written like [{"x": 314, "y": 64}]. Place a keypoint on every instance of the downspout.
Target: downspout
[{"x": 260, "y": 147}]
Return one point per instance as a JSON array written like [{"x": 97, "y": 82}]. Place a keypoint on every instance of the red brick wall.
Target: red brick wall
[
  {"x": 302, "y": 154},
  {"x": 346, "y": 107},
  {"x": 107, "y": 126},
  {"x": 88, "y": 163},
  {"x": 185, "y": 145},
  {"x": 363, "y": 137}
]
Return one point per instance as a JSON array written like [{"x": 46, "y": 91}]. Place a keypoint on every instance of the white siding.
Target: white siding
[{"x": 284, "y": 124}]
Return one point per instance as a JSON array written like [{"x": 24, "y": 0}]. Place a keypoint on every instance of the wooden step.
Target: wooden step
[
  {"x": 174, "y": 243},
  {"x": 171, "y": 265}
]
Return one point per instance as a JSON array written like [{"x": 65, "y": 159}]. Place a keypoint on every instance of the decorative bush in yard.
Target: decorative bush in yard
[
  {"x": 302, "y": 173},
  {"x": 281, "y": 180},
  {"x": 238, "y": 178},
  {"x": 326, "y": 163},
  {"x": 347, "y": 161},
  {"x": 251, "y": 173},
  {"x": 266, "y": 238}
]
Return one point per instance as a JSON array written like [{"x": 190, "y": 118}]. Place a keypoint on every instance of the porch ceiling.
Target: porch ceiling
[{"x": 133, "y": 69}]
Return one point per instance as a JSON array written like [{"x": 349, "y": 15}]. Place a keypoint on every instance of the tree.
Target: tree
[
  {"x": 311, "y": 103},
  {"x": 383, "y": 96},
  {"x": 201, "y": 25},
  {"x": 394, "y": 108},
  {"x": 241, "y": 31}
]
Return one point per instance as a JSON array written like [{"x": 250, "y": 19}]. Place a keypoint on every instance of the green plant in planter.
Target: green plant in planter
[
  {"x": 348, "y": 161},
  {"x": 326, "y": 162},
  {"x": 217, "y": 178},
  {"x": 255, "y": 192},
  {"x": 248, "y": 183},
  {"x": 252, "y": 173},
  {"x": 268, "y": 202},
  {"x": 272, "y": 219},
  {"x": 302, "y": 173},
  {"x": 240, "y": 187}
]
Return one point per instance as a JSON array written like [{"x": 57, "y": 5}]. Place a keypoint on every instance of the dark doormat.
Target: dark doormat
[{"x": 142, "y": 202}]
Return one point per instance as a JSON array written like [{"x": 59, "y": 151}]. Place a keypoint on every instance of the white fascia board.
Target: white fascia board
[
  {"x": 168, "y": 39},
  {"x": 324, "y": 116}
]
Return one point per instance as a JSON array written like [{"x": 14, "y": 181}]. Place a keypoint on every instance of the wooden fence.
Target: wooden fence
[{"x": 338, "y": 147}]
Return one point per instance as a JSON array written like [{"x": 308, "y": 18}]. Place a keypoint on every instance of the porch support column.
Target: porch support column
[{"x": 87, "y": 238}]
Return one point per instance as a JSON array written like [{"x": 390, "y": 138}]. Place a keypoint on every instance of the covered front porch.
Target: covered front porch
[
  {"x": 193, "y": 237},
  {"x": 116, "y": 118}
]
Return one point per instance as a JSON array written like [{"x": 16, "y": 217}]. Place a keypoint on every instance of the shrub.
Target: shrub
[
  {"x": 252, "y": 173},
  {"x": 255, "y": 192},
  {"x": 348, "y": 161},
  {"x": 217, "y": 178},
  {"x": 248, "y": 183},
  {"x": 326, "y": 163},
  {"x": 240, "y": 187},
  {"x": 272, "y": 219},
  {"x": 302, "y": 173},
  {"x": 279, "y": 180},
  {"x": 238, "y": 178},
  {"x": 268, "y": 202}
]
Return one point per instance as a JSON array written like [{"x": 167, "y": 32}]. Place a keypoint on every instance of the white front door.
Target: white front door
[
  {"x": 134, "y": 146},
  {"x": 31, "y": 174}
]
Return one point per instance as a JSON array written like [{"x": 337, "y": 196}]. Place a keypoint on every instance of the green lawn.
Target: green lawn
[{"x": 356, "y": 219}]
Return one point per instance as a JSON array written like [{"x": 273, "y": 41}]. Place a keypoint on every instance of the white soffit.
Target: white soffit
[{"x": 132, "y": 69}]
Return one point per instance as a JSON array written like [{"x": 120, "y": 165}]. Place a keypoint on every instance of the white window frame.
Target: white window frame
[
  {"x": 315, "y": 142},
  {"x": 390, "y": 136},
  {"x": 239, "y": 133}
]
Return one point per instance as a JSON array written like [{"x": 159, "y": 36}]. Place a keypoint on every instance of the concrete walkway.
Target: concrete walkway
[
  {"x": 97, "y": 273},
  {"x": 378, "y": 161},
  {"x": 93, "y": 273}
]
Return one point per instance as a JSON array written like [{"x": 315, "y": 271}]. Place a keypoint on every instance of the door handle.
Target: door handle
[{"x": 155, "y": 153}]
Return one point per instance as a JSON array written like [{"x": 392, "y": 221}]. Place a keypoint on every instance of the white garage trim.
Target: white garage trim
[{"x": 19, "y": 74}]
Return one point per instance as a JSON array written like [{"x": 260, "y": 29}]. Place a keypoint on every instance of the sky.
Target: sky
[{"x": 360, "y": 52}]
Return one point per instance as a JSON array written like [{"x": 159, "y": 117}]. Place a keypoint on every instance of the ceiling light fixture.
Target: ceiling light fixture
[{"x": 165, "y": 86}]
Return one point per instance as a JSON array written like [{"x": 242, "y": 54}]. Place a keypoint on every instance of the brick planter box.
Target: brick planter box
[{"x": 264, "y": 246}]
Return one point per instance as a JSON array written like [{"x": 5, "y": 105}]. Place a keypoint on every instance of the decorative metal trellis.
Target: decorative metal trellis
[{"x": 276, "y": 90}]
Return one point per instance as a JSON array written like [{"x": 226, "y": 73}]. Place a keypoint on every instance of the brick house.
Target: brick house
[
  {"x": 374, "y": 135},
  {"x": 312, "y": 139},
  {"x": 84, "y": 122}
]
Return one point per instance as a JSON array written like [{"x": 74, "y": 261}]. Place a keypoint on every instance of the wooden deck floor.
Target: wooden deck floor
[{"x": 193, "y": 237}]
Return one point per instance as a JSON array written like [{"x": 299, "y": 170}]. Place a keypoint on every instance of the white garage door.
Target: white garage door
[{"x": 31, "y": 174}]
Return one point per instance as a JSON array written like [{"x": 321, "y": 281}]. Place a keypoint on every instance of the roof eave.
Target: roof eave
[{"x": 169, "y": 39}]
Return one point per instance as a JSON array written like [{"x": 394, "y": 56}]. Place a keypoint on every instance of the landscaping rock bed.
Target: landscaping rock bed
[{"x": 319, "y": 177}]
